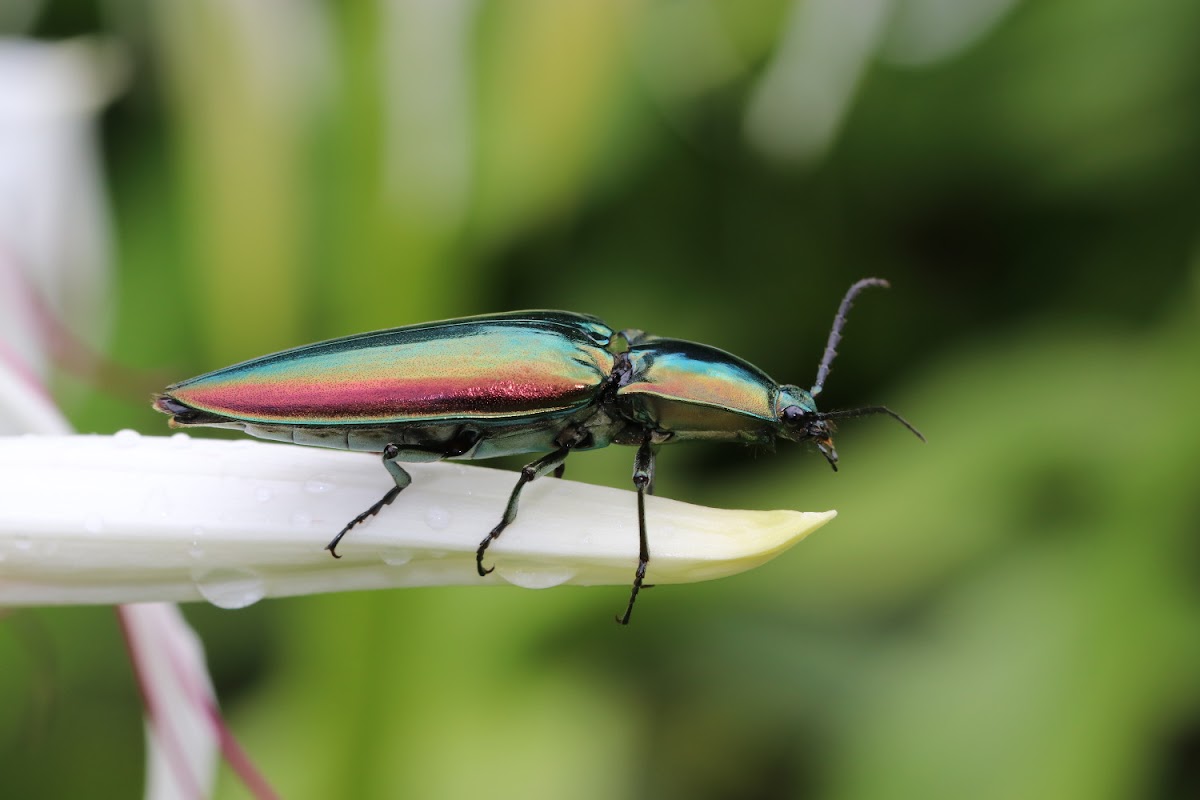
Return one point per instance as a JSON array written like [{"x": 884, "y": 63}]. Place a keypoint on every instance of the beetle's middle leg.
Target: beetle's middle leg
[
  {"x": 392, "y": 454},
  {"x": 402, "y": 479},
  {"x": 643, "y": 480},
  {"x": 552, "y": 462}
]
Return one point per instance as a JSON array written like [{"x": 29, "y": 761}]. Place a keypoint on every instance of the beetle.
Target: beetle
[{"x": 503, "y": 384}]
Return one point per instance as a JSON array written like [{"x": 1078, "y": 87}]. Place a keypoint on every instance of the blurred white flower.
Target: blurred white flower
[
  {"x": 54, "y": 219},
  {"x": 925, "y": 32},
  {"x": 54, "y": 242},
  {"x": 798, "y": 106}
]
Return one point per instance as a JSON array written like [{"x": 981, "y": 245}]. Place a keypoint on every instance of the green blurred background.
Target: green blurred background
[{"x": 1010, "y": 611}]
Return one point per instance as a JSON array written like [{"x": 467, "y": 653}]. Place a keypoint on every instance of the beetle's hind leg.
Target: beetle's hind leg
[
  {"x": 643, "y": 480},
  {"x": 552, "y": 462},
  {"x": 402, "y": 479}
]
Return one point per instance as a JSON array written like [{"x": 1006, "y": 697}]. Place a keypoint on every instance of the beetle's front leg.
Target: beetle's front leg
[
  {"x": 399, "y": 475},
  {"x": 552, "y": 462},
  {"x": 643, "y": 480}
]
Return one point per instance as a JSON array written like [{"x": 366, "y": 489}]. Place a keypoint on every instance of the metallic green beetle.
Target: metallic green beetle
[{"x": 522, "y": 382}]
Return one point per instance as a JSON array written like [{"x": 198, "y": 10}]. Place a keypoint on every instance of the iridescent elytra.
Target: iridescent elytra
[{"x": 521, "y": 382}]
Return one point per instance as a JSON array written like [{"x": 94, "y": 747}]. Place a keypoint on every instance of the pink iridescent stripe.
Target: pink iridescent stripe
[
  {"x": 481, "y": 376},
  {"x": 382, "y": 398}
]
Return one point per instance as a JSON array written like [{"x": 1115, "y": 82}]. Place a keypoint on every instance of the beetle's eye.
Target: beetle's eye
[{"x": 793, "y": 414}]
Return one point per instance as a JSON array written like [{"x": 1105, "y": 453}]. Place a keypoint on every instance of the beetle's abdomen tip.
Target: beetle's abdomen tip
[
  {"x": 181, "y": 413},
  {"x": 168, "y": 405}
]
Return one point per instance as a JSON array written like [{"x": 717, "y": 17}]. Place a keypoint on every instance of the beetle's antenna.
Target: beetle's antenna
[
  {"x": 867, "y": 411},
  {"x": 835, "y": 333}
]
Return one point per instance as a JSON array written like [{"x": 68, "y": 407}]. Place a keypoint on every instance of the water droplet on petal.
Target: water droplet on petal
[
  {"x": 180, "y": 440},
  {"x": 126, "y": 438},
  {"x": 230, "y": 587},
  {"x": 262, "y": 494},
  {"x": 319, "y": 484},
  {"x": 301, "y": 519},
  {"x": 535, "y": 577},
  {"x": 437, "y": 518},
  {"x": 397, "y": 558},
  {"x": 156, "y": 504},
  {"x": 196, "y": 550}
]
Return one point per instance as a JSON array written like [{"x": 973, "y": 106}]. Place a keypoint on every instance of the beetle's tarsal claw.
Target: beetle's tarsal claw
[
  {"x": 335, "y": 541},
  {"x": 483, "y": 546},
  {"x": 370, "y": 512}
]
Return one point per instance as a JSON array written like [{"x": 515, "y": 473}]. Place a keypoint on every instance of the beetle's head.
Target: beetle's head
[
  {"x": 800, "y": 421},
  {"x": 796, "y": 409}
]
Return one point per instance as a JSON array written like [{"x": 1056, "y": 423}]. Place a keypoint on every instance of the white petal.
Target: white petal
[{"x": 127, "y": 518}]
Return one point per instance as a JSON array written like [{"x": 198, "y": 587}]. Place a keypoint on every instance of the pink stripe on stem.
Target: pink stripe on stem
[
  {"x": 172, "y": 748},
  {"x": 197, "y": 691}
]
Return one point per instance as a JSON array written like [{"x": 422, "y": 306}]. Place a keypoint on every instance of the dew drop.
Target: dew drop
[
  {"x": 262, "y": 494},
  {"x": 230, "y": 587},
  {"x": 180, "y": 440},
  {"x": 437, "y": 518},
  {"x": 301, "y": 519},
  {"x": 93, "y": 524},
  {"x": 126, "y": 438},
  {"x": 319, "y": 484},
  {"x": 397, "y": 558},
  {"x": 196, "y": 550},
  {"x": 535, "y": 577},
  {"x": 156, "y": 504}
]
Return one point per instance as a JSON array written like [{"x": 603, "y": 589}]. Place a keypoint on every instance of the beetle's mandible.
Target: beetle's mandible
[{"x": 522, "y": 382}]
